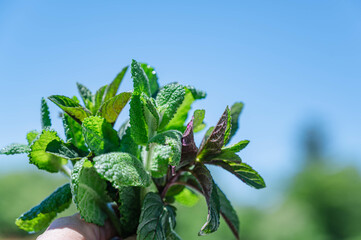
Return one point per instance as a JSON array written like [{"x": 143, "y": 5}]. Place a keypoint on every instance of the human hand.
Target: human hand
[{"x": 75, "y": 228}]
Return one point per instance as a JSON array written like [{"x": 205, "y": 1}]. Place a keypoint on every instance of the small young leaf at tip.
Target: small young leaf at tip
[{"x": 45, "y": 114}]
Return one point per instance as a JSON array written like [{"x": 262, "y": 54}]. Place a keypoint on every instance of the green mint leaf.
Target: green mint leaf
[
  {"x": 237, "y": 146},
  {"x": 236, "y": 110},
  {"x": 224, "y": 155},
  {"x": 30, "y": 136},
  {"x": 129, "y": 209},
  {"x": 112, "y": 88},
  {"x": 64, "y": 150},
  {"x": 127, "y": 143},
  {"x": 206, "y": 136},
  {"x": 210, "y": 193},
  {"x": 38, "y": 155},
  {"x": 15, "y": 148},
  {"x": 189, "y": 148},
  {"x": 156, "y": 220},
  {"x": 144, "y": 118},
  {"x": 45, "y": 114},
  {"x": 73, "y": 132},
  {"x": 166, "y": 147},
  {"x": 228, "y": 128},
  {"x": 100, "y": 136},
  {"x": 169, "y": 98},
  {"x": 39, "y": 217},
  {"x": 187, "y": 197},
  {"x": 214, "y": 143},
  {"x": 71, "y": 107},
  {"x": 86, "y": 96},
  {"x": 228, "y": 213},
  {"x": 89, "y": 192},
  {"x": 198, "y": 124},
  {"x": 98, "y": 98},
  {"x": 197, "y": 94},
  {"x": 111, "y": 109},
  {"x": 122, "y": 169},
  {"x": 140, "y": 79},
  {"x": 243, "y": 171},
  {"x": 152, "y": 77}
]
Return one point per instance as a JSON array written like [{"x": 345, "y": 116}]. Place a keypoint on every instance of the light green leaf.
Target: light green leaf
[
  {"x": 210, "y": 193},
  {"x": 30, "y": 136},
  {"x": 122, "y": 169},
  {"x": 140, "y": 79},
  {"x": 15, "y": 148},
  {"x": 198, "y": 124},
  {"x": 228, "y": 213},
  {"x": 187, "y": 197},
  {"x": 39, "y": 217},
  {"x": 229, "y": 127},
  {"x": 39, "y": 157},
  {"x": 169, "y": 98},
  {"x": 243, "y": 171},
  {"x": 89, "y": 192},
  {"x": 100, "y": 136},
  {"x": 86, "y": 95},
  {"x": 71, "y": 107},
  {"x": 110, "y": 109},
  {"x": 112, "y": 88},
  {"x": 73, "y": 132},
  {"x": 156, "y": 220},
  {"x": 166, "y": 147},
  {"x": 237, "y": 146},
  {"x": 152, "y": 77},
  {"x": 45, "y": 114}
]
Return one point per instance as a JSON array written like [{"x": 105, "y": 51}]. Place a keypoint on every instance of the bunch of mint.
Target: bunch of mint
[{"x": 133, "y": 176}]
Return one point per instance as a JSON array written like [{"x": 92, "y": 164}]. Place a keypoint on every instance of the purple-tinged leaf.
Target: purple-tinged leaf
[{"x": 189, "y": 148}]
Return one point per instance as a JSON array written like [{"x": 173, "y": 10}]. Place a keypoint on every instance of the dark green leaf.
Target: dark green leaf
[
  {"x": 214, "y": 143},
  {"x": 73, "y": 132},
  {"x": 168, "y": 100},
  {"x": 243, "y": 171},
  {"x": 156, "y": 220},
  {"x": 237, "y": 146},
  {"x": 112, "y": 88},
  {"x": 39, "y": 217},
  {"x": 228, "y": 128},
  {"x": 228, "y": 213},
  {"x": 210, "y": 193},
  {"x": 236, "y": 110},
  {"x": 64, "y": 150},
  {"x": 45, "y": 114},
  {"x": 100, "y": 136},
  {"x": 71, "y": 107},
  {"x": 129, "y": 209},
  {"x": 140, "y": 79},
  {"x": 39, "y": 157},
  {"x": 122, "y": 169},
  {"x": 98, "y": 99},
  {"x": 15, "y": 148},
  {"x": 89, "y": 192},
  {"x": 111, "y": 108},
  {"x": 152, "y": 77},
  {"x": 127, "y": 143},
  {"x": 86, "y": 95}
]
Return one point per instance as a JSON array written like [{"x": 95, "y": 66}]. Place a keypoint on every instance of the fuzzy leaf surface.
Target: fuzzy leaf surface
[
  {"x": 210, "y": 193},
  {"x": 39, "y": 217},
  {"x": 228, "y": 213},
  {"x": 168, "y": 100},
  {"x": 111, "y": 109},
  {"x": 71, "y": 107},
  {"x": 64, "y": 150},
  {"x": 15, "y": 148},
  {"x": 38, "y": 155},
  {"x": 100, "y": 136},
  {"x": 243, "y": 171},
  {"x": 122, "y": 169},
  {"x": 45, "y": 114},
  {"x": 89, "y": 192},
  {"x": 140, "y": 79},
  {"x": 30, "y": 136}
]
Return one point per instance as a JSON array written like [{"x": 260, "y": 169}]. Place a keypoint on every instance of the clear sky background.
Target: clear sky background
[{"x": 291, "y": 62}]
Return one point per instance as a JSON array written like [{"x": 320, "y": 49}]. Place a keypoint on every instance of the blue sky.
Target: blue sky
[{"x": 291, "y": 62}]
